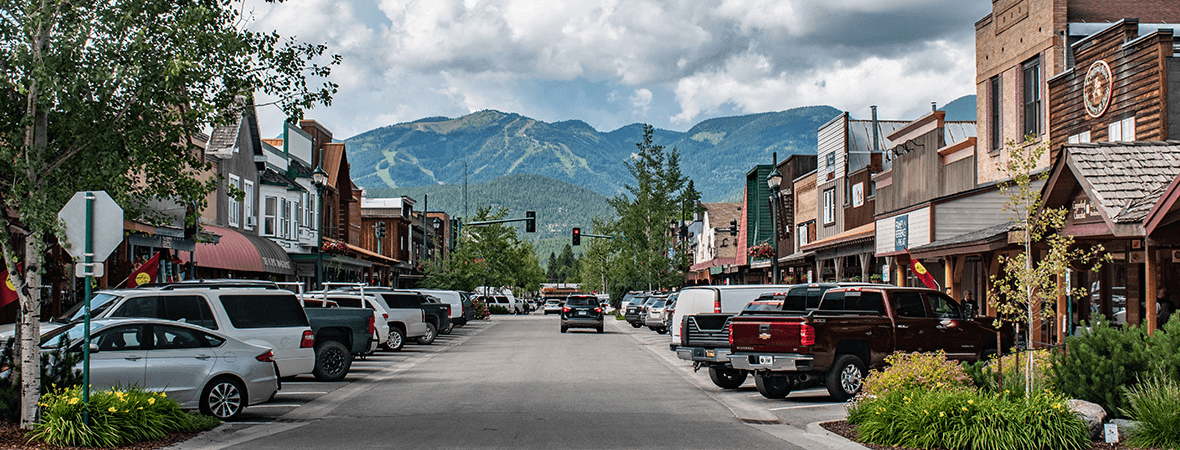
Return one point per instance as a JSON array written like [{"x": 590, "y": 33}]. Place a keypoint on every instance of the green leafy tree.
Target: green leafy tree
[
  {"x": 645, "y": 212},
  {"x": 487, "y": 255},
  {"x": 566, "y": 265},
  {"x": 594, "y": 267},
  {"x": 1027, "y": 288},
  {"x": 109, "y": 96}
]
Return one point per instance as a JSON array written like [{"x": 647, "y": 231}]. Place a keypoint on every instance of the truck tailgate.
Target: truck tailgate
[{"x": 767, "y": 334}]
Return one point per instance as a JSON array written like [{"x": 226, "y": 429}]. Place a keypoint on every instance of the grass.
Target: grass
[{"x": 1155, "y": 404}]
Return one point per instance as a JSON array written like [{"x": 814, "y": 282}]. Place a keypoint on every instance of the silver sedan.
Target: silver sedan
[{"x": 199, "y": 368}]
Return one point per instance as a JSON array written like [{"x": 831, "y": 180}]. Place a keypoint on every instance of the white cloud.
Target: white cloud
[{"x": 641, "y": 100}]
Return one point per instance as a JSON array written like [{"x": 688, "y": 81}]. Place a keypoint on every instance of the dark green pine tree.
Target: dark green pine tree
[{"x": 551, "y": 269}]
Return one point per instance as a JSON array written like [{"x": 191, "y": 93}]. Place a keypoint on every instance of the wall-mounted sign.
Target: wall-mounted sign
[
  {"x": 1097, "y": 88},
  {"x": 1082, "y": 210},
  {"x": 901, "y": 233},
  {"x": 858, "y": 195}
]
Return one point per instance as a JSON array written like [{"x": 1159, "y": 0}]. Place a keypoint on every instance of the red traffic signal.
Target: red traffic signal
[{"x": 577, "y": 236}]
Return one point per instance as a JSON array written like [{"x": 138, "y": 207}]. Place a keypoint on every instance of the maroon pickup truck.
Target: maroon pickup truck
[{"x": 853, "y": 328}]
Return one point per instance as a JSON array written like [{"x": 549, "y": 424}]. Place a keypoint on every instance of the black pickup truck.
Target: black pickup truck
[{"x": 340, "y": 334}]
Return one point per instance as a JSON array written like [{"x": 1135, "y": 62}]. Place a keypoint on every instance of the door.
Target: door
[
  {"x": 957, "y": 337},
  {"x": 914, "y": 328},
  {"x": 120, "y": 359},
  {"x": 179, "y": 361}
]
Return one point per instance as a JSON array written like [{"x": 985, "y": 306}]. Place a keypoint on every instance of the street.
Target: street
[{"x": 516, "y": 382}]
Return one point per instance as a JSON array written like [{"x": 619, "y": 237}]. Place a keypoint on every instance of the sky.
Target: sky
[{"x": 610, "y": 63}]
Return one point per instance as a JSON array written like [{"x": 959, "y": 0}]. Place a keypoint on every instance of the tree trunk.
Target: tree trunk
[{"x": 30, "y": 333}]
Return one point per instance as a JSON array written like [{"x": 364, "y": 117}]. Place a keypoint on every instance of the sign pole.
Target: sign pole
[{"x": 89, "y": 269}]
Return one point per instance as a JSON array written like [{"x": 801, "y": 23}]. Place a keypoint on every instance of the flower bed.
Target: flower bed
[{"x": 117, "y": 417}]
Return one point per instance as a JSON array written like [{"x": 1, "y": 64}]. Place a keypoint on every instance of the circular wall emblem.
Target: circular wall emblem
[{"x": 1097, "y": 89}]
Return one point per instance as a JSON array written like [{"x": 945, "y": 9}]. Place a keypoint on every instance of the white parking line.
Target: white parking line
[
  {"x": 805, "y": 406},
  {"x": 276, "y": 406},
  {"x": 299, "y": 393}
]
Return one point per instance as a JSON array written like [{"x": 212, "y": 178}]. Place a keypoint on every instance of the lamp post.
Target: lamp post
[
  {"x": 774, "y": 180},
  {"x": 319, "y": 178},
  {"x": 437, "y": 223}
]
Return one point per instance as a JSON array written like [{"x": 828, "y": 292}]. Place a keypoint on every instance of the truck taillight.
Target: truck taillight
[
  {"x": 308, "y": 340},
  {"x": 372, "y": 324},
  {"x": 717, "y": 305},
  {"x": 731, "y": 334},
  {"x": 598, "y": 310},
  {"x": 269, "y": 357},
  {"x": 806, "y": 335}
]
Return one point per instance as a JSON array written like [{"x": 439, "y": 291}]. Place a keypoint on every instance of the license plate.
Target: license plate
[
  {"x": 709, "y": 353},
  {"x": 765, "y": 360},
  {"x": 581, "y": 313}
]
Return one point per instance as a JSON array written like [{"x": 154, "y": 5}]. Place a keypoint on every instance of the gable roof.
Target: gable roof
[
  {"x": 721, "y": 213},
  {"x": 1125, "y": 177},
  {"x": 334, "y": 160},
  {"x": 223, "y": 139}
]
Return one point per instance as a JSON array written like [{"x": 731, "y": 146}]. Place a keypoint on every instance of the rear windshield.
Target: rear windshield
[
  {"x": 659, "y": 304},
  {"x": 803, "y": 298},
  {"x": 264, "y": 311},
  {"x": 402, "y": 301},
  {"x": 99, "y": 303},
  {"x": 349, "y": 302},
  {"x": 853, "y": 301},
  {"x": 771, "y": 305},
  {"x": 581, "y": 301}
]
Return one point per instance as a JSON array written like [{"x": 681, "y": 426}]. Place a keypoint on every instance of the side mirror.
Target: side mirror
[
  {"x": 93, "y": 348},
  {"x": 969, "y": 311}
]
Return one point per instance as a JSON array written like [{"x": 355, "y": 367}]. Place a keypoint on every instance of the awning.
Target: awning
[
  {"x": 704, "y": 265},
  {"x": 983, "y": 240},
  {"x": 241, "y": 252},
  {"x": 856, "y": 235},
  {"x": 374, "y": 256},
  {"x": 796, "y": 257}
]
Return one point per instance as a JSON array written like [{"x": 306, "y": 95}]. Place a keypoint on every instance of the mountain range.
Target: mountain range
[{"x": 485, "y": 145}]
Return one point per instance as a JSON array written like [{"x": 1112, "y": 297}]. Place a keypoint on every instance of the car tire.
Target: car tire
[
  {"x": 396, "y": 340},
  {"x": 450, "y": 327},
  {"x": 601, "y": 329},
  {"x": 431, "y": 333},
  {"x": 727, "y": 378},
  {"x": 223, "y": 398},
  {"x": 332, "y": 361},
  {"x": 564, "y": 328},
  {"x": 775, "y": 387},
  {"x": 846, "y": 377},
  {"x": 636, "y": 325},
  {"x": 662, "y": 330}
]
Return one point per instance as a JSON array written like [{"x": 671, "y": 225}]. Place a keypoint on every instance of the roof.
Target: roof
[
  {"x": 866, "y": 231},
  {"x": 272, "y": 177},
  {"x": 223, "y": 139},
  {"x": 981, "y": 236},
  {"x": 333, "y": 160},
  {"x": 1127, "y": 178},
  {"x": 860, "y": 139},
  {"x": 300, "y": 169},
  {"x": 277, "y": 143},
  {"x": 721, "y": 213}
]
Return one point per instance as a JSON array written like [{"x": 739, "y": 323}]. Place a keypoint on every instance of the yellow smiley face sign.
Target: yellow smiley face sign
[
  {"x": 8, "y": 284},
  {"x": 918, "y": 267},
  {"x": 143, "y": 278}
]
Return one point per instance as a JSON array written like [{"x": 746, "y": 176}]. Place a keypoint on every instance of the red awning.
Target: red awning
[{"x": 241, "y": 252}]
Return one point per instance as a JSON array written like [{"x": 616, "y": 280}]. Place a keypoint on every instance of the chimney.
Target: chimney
[{"x": 933, "y": 107}]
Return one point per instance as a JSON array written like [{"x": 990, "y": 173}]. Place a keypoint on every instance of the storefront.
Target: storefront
[{"x": 232, "y": 254}]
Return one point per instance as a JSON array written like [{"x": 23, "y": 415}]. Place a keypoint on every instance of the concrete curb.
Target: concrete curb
[{"x": 820, "y": 433}]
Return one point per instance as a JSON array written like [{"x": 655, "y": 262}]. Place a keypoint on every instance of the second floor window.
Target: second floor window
[
  {"x": 1032, "y": 97},
  {"x": 829, "y": 206},
  {"x": 248, "y": 202},
  {"x": 996, "y": 119},
  {"x": 1123, "y": 130},
  {"x": 270, "y": 205},
  {"x": 234, "y": 207}
]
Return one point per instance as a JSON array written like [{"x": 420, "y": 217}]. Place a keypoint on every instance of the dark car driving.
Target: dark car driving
[{"x": 581, "y": 311}]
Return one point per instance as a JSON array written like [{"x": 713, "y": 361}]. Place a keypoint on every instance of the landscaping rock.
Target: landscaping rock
[
  {"x": 1090, "y": 413},
  {"x": 1125, "y": 427}
]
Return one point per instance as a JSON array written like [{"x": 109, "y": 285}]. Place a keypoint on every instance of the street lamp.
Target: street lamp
[
  {"x": 775, "y": 181},
  {"x": 319, "y": 178},
  {"x": 437, "y": 225}
]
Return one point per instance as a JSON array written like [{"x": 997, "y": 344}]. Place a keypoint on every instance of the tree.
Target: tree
[
  {"x": 487, "y": 255},
  {"x": 109, "y": 96},
  {"x": 594, "y": 267},
  {"x": 645, "y": 215},
  {"x": 566, "y": 265},
  {"x": 551, "y": 271},
  {"x": 1027, "y": 288}
]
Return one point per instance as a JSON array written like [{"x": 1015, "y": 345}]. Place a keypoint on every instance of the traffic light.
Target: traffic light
[
  {"x": 733, "y": 230},
  {"x": 530, "y": 223},
  {"x": 380, "y": 229},
  {"x": 577, "y": 237}
]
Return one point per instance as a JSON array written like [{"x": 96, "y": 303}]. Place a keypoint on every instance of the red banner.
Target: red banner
[
  {"x": 923, "y": 274},
  {"x": 145, "y": 273},
  {"x": 7, "y": 290}
]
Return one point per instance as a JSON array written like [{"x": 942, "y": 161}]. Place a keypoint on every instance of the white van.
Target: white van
[
  {"x": 717, "y": 299},
  {"x": 502, "y": 297}
]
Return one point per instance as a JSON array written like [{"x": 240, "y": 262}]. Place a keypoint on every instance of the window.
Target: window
[
  {"x": 1080, "y": 138},
  {"x": 829, "y": 206},
  {"x": 802, "y": 233},
  {"x": 1032, "y": 97},
  {"x": 248, "y": 205},
  {"x": 284, "y": 218},
  {"x": 908, "y": 304},
  {"x": 944, "y": 307},
  {"x": 170, "y": 338},
  {"x": 1123, "y": 130},
  {"x": 269, "y": 216},
  {"x": 995, "y": 102},
  {"x": 293, "y": 223},
  {"x": 120, "y": 338},
  {"x": 264, "y": 311},
  {"x": 234, "y": 206}
]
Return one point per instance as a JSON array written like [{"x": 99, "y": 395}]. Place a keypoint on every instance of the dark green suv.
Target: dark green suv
[{"x": 581, "y": 311}]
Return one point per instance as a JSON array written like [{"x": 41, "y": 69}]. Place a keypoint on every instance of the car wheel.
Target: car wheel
[
  {"x": 727, "y": 378},
  {"x": 772, "y": 386},
  {"x": 636, "y": 325},
  {"x": 428, "y": 338},
  {"x": 450, "y": 327},
  {"x": 395, "y": 341},
  {"x": 564, "y": 328},
  {"x": 662, "y": 330},
  {"x": 223, "y": 398},
  {"x": 846, "y": 377},
  {"x": 332, "y": 361},
  {"x": 601, "y": 329}
]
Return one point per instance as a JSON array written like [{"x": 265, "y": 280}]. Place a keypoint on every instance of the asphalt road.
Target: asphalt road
[{"x": 516, "y": 382}]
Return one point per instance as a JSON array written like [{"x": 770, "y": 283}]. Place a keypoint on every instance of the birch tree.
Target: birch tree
[{"x": 109, "y": 95}]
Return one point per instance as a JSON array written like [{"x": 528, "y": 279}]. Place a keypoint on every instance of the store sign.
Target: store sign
[
  {"x": 858, "y": 195},
  {"x": 1082, "y": 210},
  {"x": 901, "y": 233},
  {"x": 1097, "y": 88}
]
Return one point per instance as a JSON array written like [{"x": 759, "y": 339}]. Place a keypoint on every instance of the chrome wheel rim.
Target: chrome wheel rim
[
  {"x": 429, "y": 333},
  {"x": 225, "y": 400},
  {"x": 850, "y": 379},
  {"x": 394, "y": 340}
]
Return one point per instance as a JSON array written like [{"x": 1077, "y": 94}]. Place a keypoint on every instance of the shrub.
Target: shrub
[
  {"x": 1163, "y": 355},
  {"x": 481, "y": 309},
  {"x": 987, "y": 375},
  {"x": 1097, "y": 365},
  {"x": 117, "y": 417},
  {"x": 1155, "y": 404},
  {"x": 915, "y": 370},
  {"x": 57, "y": 369},
  {"x": 497, "y": 309},
  {"x": 967, "y": 419}
]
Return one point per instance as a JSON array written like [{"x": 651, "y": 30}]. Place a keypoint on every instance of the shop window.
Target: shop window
[
  {"x": 1032, "y": 97},
  {"x": 234, "y": 211}
]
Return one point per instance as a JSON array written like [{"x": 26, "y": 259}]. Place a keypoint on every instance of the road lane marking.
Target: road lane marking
[
  {"x": 275, "y": 406},
  {"x": 805, "y": 406},
  {"x": 299, "y": 393}
]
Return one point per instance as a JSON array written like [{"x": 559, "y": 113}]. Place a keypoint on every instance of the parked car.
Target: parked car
[
  {"x": 700, "y": 327},
  {"x": 258, "y": 313},
  {"x": 852, "y": 329},
  {"x": 404, "y": 317},
  {"x": 654, "y": 317},
  {"x": 634, "y": 312},
  {"x": 461, "y": 310},
  {"x": 340, "y": 334},
  {"x": 552, "y": 307},
  {"x": 670, "y": 310},
  {"x": 581, "y": 311},
  {"x": 199, "y": 368},
  {"x": 628, "y": 298}
]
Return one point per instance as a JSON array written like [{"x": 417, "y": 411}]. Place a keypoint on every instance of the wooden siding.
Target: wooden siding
[
  {"x": 1139, "y": 78},
  {"x": 824, "y": 230},
  {"x": 758, "y": 222},
  {"x": 967, "y": 214},
  {"x": 831, "y": 140},
  {"x": 919, "y": 230},
  {"x": 919, "y": 175},
  {"x": 854, "y": 216}
]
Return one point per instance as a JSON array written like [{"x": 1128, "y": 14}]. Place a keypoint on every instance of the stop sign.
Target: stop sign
[{"x": 107, "y": 224}]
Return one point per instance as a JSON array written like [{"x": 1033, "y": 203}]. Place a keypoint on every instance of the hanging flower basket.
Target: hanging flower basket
[
  {"x": 761, "y": 251},
  {"x": 334, "y": 247}
]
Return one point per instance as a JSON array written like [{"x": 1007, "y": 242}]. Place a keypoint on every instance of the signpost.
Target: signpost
[{"x": 89, "y": 241}]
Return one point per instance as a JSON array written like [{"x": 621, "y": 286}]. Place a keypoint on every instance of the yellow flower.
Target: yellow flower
[
  {"x": 964, "y": 408},
  {"x": 74, "y": 401},
  {"x": 941, "y": 414},
  {"x": 140, "y": 408},
  {"x": 112, "y": 409},
  {"x": 970, "y": 402},
  {"x": 152, "y": 401}
]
